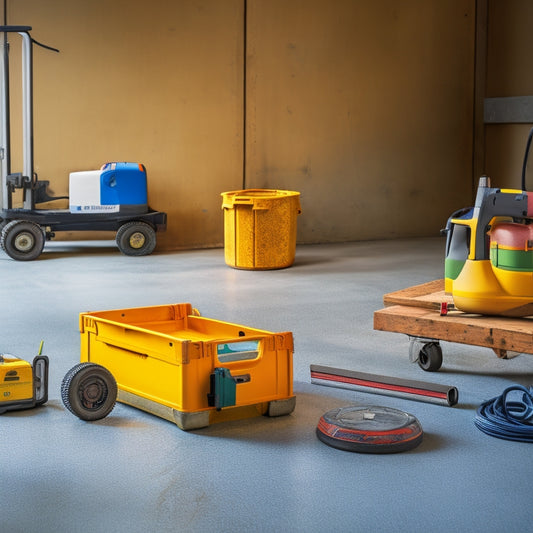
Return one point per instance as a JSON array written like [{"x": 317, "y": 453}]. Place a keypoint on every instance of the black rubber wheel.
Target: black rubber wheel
[
  {"x": 22, "y": 240},
  {"x": 430, "y": 357},
  {"x": 89, "y": 391},
  {"x": 136, "y": 238}
]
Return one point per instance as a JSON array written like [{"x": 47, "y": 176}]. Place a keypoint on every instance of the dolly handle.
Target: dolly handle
[{"x": 15, "y": 29}]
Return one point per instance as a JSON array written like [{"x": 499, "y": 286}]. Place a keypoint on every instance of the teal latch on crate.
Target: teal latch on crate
[{"x": 223, "y": 389}]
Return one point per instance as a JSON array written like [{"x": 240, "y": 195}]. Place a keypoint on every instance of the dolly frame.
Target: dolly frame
[{"x": 25, "y": 242}]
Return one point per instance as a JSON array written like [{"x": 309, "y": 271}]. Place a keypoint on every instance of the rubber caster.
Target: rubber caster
[{"x": 430, "y": 357}]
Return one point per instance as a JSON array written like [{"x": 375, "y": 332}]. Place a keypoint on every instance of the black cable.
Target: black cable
[
  {"x": 526, "y": 155},
  {"x": 509, "y": 416},
  {"x": 44, "y": 45}
]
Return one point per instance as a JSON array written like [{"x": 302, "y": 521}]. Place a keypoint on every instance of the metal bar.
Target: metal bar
[
  {"x": 480, "y": 87},
  {"x": 4, "y": 119},
  {"x": 509, "y": 110},
  {"x": 27, "y": 113},
  {"x": 389, "y": 386}
]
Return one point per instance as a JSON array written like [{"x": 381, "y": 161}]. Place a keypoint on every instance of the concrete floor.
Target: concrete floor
[{"x": 134, "y": 472}]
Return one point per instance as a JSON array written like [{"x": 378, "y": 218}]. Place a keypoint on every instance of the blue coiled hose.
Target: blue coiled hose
[{"x": 509, "y": 416}]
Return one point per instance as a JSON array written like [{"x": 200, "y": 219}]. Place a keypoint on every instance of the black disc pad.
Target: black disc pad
[{"x": 369, "y": 429}]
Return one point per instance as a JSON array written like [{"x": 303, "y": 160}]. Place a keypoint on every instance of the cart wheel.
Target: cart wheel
[
  {"x": 22, "y": 240},
  {"x": 89, "y": 391},
  {"x": 430, "y": 357},
  {"x": 136, "y": 238}
]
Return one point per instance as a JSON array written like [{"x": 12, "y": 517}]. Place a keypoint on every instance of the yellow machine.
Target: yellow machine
[
  {"x": 489, "y": 252},
  {"x": 171, "y": 362},
  {"x": 22, "y": 385}
]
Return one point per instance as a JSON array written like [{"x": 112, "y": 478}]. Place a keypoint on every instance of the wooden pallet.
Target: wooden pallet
[{"x": 415, "y": 311}]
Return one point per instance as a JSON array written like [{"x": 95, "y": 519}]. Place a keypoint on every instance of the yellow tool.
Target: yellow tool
[
  {"x": 489, "y": 251},
  {"x": 23, "y": 385}
]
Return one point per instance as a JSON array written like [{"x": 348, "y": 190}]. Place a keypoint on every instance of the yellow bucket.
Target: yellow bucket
[{"x": 260, "y": 228}]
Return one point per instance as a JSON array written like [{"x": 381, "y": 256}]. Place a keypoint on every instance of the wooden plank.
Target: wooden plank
[
  {"x": 499, "y": 333},
  {"x": 427, "y": 295}
]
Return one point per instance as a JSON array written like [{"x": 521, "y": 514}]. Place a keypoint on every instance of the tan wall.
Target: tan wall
[
  {"x": 364, "y": 107},
  {"x": 509, "y": 73},
  {"x": 156, "y": 82}
]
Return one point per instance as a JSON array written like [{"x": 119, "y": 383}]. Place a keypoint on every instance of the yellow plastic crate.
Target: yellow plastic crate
[
  {"x": 260, "y": 228},
  {"x": 169, "y": 361}
]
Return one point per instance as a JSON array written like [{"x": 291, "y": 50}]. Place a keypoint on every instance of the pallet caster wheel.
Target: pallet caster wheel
[{"x": 430, "y": 357}]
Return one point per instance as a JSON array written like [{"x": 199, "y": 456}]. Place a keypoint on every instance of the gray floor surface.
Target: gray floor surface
[{"x": 135, "y": 472}]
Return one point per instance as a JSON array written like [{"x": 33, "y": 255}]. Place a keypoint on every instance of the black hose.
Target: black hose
[{"x": 509, "y": 416}]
